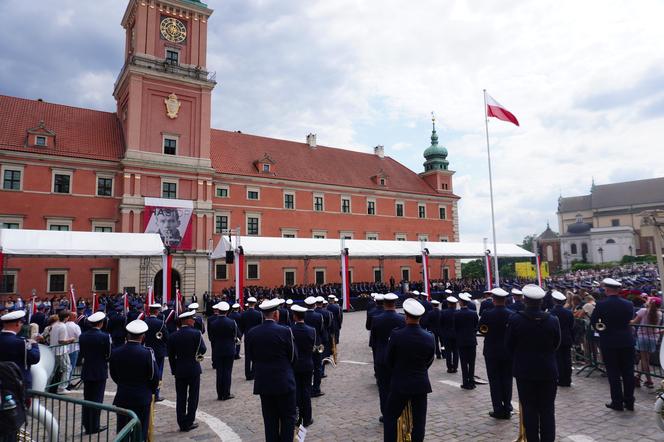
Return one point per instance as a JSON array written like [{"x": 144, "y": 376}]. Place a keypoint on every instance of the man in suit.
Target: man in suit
[
  {"x": 156, "y": 338},
  {"x": 305, "y": 340},
  {"x": 14, "y": 348},
  {"x": 236, "y": 316},
  {"x": 616, "y": 343},
  {"x": 250, "y": 318},
  {"x": 223, "y": 333},
  {"x": 492, "y": 325},
  {"x": 532, "y": 338},
  {"x": 465, "y": 329},
  {"x": 315, "y": 320},
  {"x": 410, "y": 353},
  {"x": 134, "y": 370},
  {"x": 564, "y": 352},
  {"x": 273, "y": 351},
  {"x": 448, "y": 335},
  {"x": 184, "y": 348},
  {"x": 39, "y": 318},
  {"x": 381, "y": 329},
  {"x": 95, "y": 349}
]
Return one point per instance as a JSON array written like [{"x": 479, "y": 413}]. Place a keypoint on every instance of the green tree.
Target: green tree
[
  {"x": 507, "y": 270},
  {"x": 472, "y": 269},
  {"x": 527, "y": 242}
]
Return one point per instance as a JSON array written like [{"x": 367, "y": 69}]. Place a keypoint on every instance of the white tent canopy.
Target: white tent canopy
[
  {"x": 283, "y": 248},
  {"x": 60, "y": 243}
]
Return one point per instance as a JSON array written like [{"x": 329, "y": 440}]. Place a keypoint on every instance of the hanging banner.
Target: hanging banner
[{"x": 171, "y": 219}]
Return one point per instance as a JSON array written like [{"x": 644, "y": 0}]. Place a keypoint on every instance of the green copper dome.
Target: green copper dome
[{"x": 435, "y": 155}]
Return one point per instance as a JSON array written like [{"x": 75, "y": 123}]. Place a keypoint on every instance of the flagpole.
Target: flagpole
[{"x": 493, "y": 218}]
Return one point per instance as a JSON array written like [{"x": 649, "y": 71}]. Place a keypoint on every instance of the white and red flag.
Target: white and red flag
[
  {"x": 125, "y": 303},
  {"x": 95, "y": 303},
  {"x": 72, "y": 298},
  {"x": 497, "y": 110}
]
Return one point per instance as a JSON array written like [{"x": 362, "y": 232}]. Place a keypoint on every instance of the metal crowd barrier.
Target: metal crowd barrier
[{"x": 58, "y": 378}]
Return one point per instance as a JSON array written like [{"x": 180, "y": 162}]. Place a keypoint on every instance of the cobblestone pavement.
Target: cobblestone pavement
[{"x": 349, "y": 409}]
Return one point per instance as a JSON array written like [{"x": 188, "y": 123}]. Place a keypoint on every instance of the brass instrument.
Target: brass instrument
[
  {"x": 238, "y": 341},
  {"x": 522, "y": 428},
  {"x": 405, "y": 424},
  {"x": 484, "y": 329},
  {"x": 159, "y": 335},
  {"x": 600, "y": 326},
  {"x": 334, "y": 349},
  {"x": 319, "y": 348},
  {"x": 150, "y": 435}
]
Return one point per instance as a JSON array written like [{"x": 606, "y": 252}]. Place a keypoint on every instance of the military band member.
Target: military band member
[
  {"x": 223, "y": 332},
  {"x": 185, "y": 347},
  {"x": 492, "y": 325},
  {"x": 134, "y": 370},
  {"x": 337, "y": 315},
  {"x": 95, "y": 349},
  {"x": 284, "y": 314},
  {"x": 465, "y": 329},
  {"x": 156, "y": 338},
  {"x": 198, "y": 321},
  {"x": 305, "y": 340},
  {"x": 448, "y": 335},
  {"x": 564, "y": 352},
  {"x": 14, "y": 348},
  {"x": 433, "y": 325},
  {"x": 616, "y": 343},
  {"x": 250, "y": 318},
  {"x": 517, "y": 300},
  {"x": 273, "y": 351},
  {"x": 487, "y": 302},
  {"x": 410, "y": 353},
  {"x": 314, "y": 319},
  {"x": 327, "y": 326},
  {"x": 533, "y": 337},
  {"x": 235, "y": 315},
  {"x": 116, "y": 326}
]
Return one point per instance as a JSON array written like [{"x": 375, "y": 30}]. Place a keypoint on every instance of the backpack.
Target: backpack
[{"x": 12, "y": 398}]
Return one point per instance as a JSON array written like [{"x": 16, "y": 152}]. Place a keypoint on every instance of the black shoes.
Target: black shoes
[
  {"x": 451, "y": 370},
  {"x": 317, "y": 394},
  {"x": 306, "y": 424},
  {"x": 495, "y": 415},
  {"x": 98, "y": 430},
  {"x": 225, "y": 398},
  {"x": 191, "y": 427},
  {"x": 615, "y": 407},
  {"x": 159, "y": 399},
  {"x": 467, "y": 387},
  {"x": 380, "y": 419},
  {"x": 629, "y": 407}
]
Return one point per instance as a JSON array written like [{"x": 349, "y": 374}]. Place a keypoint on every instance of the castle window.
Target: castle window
[
  {"x": 253, "y": 194},
  {"x": 399, "y": 208},
  {"x": 40, "y": 140},
  {"x": 615, "y": 222},
  {"x": 11, "y": 179},
  {"x": 266, "y": 167},
  {"x": 421, "y": 211},
  {"x": 573, "y": 249},
  {"x": 345, "y": 204},
  {"x": 170, "y": 146},
  {"x": 371, "y": 207},
  {"x": 172, "y": 56}
]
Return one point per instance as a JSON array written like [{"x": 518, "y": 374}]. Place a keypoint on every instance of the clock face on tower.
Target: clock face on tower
[{"x": 173, "y": 30}]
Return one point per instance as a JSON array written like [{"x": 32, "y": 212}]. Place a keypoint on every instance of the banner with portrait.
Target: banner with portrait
[{"x": 171, "y": 219}]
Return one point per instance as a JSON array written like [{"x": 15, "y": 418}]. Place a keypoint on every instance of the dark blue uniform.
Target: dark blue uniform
[
  {"x": 284, "y": 316},
  {"x": 448, "y": 336},
  {"x": 433, "y": 326},
  {"x": 116, "y": 328},
  {"x": 158, "y": 346},
  {"x": 498, "y": 360},
  {"x": 95, "y": 350},
  {"x": 183, "y": 347},
  {"x": 617, "y": 346},
  {"x": 315, "y": 320},
  {"x": 199, "y": 324},
  {"x": 39, "y": 318},
  {"x": 235, "y": 316},
  {"x": 410, "y": 353},
  {"x": 517, "y": 306},
  {"x": 533, "y": 337},
  {"x": 273, "y": 351},
  {"x": 381, "y": 329},
  {"x": 134, "y": 370},
  {"x": 564, "y": 352},
  {"x": 250, "y": 318},
  {"x": 305, "y": 339},
  {"x": 338, "y": 318},
  {"x": 223, "y": 332},
  {"x": 465, "y": 328},
  {"x": 486, "y": 305},
  {"x": 13, "y": 349}
]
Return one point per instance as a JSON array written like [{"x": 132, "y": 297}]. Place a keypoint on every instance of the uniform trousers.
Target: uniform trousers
[
  {"x": 564, "y": 362},
  {"x": 303, "y": 395},
  {"x": 160, "y": 372},
  {"x": 224, "y": 370},
  {"x": 437, "y": 341},
  {"x": 538, "y": 406},
  {"x": 395, "y": 405},
  {"x": 278, "y": 416},
  {"x": 142, "y": 413},
  {"x": 248, "y": 366},
  {"x": 499, "y": 371},
  {"x": 467, "y": 360},
  {"x": 237, "y": 351},
  {"x": 326, "y": 353},
  {"x": 384, "y": 379},
  {"x": 92, "y": 391},
  {"x": 620, "y": 366},
  {"x": 186, "y": 393},
  {"x": 317, "y": 372},
  {"x": 451, "y": 354}
]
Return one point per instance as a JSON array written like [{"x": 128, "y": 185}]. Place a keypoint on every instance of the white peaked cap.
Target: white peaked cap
[
  {"x": 452, "y": 299},
  {"x": 193, "y": 306},
  {"x": 558, "y": 296},
  {"x": 533, "y": 291},
  {"x": 379, "y": 297},
  {"x": 269, "y": 304},
  {"x": 413, "y": 307},
  {"x": 13, "y": 316},
  {"x": 499, "y": 292},
  {"x": 251, "y": 299},
  {"x": 137, "y": 327},
  {"x": 465, "y": 297},
  {"x": 610, "y": 282},
  {"x": 96, "y": 317},
  {"x": 298, "y": 308},
  {"x": 390, "y": 297},
  {"x": 310, "y": 300},
  {"x": 516, "y": 292},
  {"x": 185, "y": 315}
]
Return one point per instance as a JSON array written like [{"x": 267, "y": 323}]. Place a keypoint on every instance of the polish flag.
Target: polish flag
[
  {"x": 72, "y": 298},
  {"x": 125, "y": 303},
  {"x": 497, "y": 110}
]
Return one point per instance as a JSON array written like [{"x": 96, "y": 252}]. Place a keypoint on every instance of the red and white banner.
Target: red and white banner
[
  {"x": 95, "y": 303},
  {"x": 425, "y": 274},
  {"x": 497, "y": 110},
  {"x": 72, "y": 298},
  {"x": 239, "y": 278},
  {"x": 171, "y": 219},
  {"x": 345, "y": 281},
  {"x": 33, "y": 308},
  {"x": 125, "y": 303},
  {"x": 487, "y": 271}
]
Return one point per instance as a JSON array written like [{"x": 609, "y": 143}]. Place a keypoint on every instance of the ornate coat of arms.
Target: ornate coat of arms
[{"x": 172, "y": 106}]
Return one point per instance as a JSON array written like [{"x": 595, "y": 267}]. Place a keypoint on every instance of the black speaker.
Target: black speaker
[
  {"x": 230, "y": 257},
  {"x": 418, "y": 259}
]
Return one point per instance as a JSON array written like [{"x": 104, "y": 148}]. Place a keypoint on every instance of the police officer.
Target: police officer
[
  {"x": 198, "y": 321},
  {"x": 616, "y": 343},
  {"x": 250, "y": 318},
  {"x": 305, "y": 340},
  {"x": 533, "y": 337},
  {"x": 314, "y": 319},
  {"x": 381, "y": 329},
  {"x": 564, "y": 352},
  {"x": 448, "y": 335},
  {"x": 156, "y": 338},
  {"x": 410, "y": 353},
  {"x": 492, "y": 325},
  {"x": 134, "y": 370},
  {"x": 487, "y": 302},
  {"x": 433, "y": 320},
  {"x": 95, "y": 350},
  {"x": 273, "y": 351},
  {"x": 16, "y": 349},
  {"x": 337, "y": 315},
  {"x": 465, "y": 329},
  {"x": 235, "y": 315},
  {"x": 116, "y": 326},
  {"x": 284, "y": 314},
  {"x": 185, "y": 346},
  {"x": 223, "y": 333},
  {"x": 327, "y": 326},
  {"x": 517, "y": 303}
]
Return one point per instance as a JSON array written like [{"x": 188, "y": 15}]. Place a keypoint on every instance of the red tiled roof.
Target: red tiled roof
[
  {"x": 81, "y": 133},
  {"x": 235, "y": 153}
]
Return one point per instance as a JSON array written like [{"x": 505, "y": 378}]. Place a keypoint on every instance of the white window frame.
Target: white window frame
[
  {"x": 425, "y": 210},
  {"x": 375, "y": 207},
  {"x": 11, "y": 220},
  {"x": 222, "y": 186},
  {"x": 223, "y": 263},
  {"x": 164, "y": 137},
  {"x": 350, "y": 204},
  {"x": 58, "y": 222},
  {"x": 400, "y": 237},
  {"x": 106, "y": 272},
  {"x": 37, "y": 137},
  {"x": 263, "y": 168},
  {"x": 48, "y": 279},
  {"x": 96, "y": 224},
  {"x": 170, "y": 181},
  {"x": 442, "y": 275},
  {"x": 372, "y": 236},
  {"x": 444, "y": 239},
  {"x": 246, "y": 223},
  {"x": 423, "y": 237},
  {"x": 320, "y": 269},
  {"x": 401, "y": 272},
  {"x": 226, "y": 214},
  {"x": 343, "y": 234},
  {"x": 62, "y": 172},
  {"x": 403, "y": 209},
  {"x": 285, "y": 232},
  {"x": 106, "y": 176},
  {"x": 14, "y": 275},
  {"x": 444, "y": 210},
  {"x": 313, "y": 202},
  {"x": 373, "y": 274},
  {"x": 290, "y": 269},
  {"x": 258, "y": 270},
  {"x": 315, "y": 233},
  {"x": 14, "y": 168},
  {"x": 253, "y": 189},
  {"x": 292, "y": 193}
]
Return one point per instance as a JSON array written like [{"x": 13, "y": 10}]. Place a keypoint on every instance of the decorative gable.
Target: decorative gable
[
  {"x": 40, "y": 136},
  {"x": 380, "y": 178},
  {"x": 265, "y": 165}
]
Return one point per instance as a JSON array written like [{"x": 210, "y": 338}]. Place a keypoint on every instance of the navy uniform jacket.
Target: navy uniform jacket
[
  {"x": 472, "y": 306},
  {"x": 305, "y": 339},
  {"x": 616, "y": 313},
  {"x": 198, "y": 324},
  {"x": 134, "y": 370},
  {"x": 95, "y": 350},
  {"x": 517, "y": 306},
  {"x": 410, "y": 353},
  {"x": 494, "y": 339},
  {"x": 465, "y": 327},
  {"x": 235, "y": 316},
  {"x": 532, "y": 338},
  {"x": 433, "y": 321},
  {"x": 271, "y": 348},
  {"x": 337, "y": 316},
  {"x": 315, "y": 320},
  {"x": 566, "y": 321},
  {"x": 157, "y": 345},
  {"x": 222, "y": 332},
  {"x": 171, "y": 322},
  {"x": 327, "y": 323},
  {"x": 250, "y": 318},
  {"x": 486, "y": 305},
  {"x": 381, "y": 329},
  {"x": 183, "y": 346},
  {"x": 377, "y": 310},
  {"x": 116, "y": 326},
  {"x": 446, "y": 323},
  {"x": 211, "y": 319},
  {"x": 284, "y": 316},
  {"x": 13, "y": 349}
]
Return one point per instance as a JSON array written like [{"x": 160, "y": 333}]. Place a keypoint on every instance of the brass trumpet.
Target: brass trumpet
[
  {"x": 405, "y": 424},
  {"x": 484, "y": 329},
  {"x": 600, "y": 326},
  {"x": 200, "y": 357},
  {"x": 159, "y": 335}
]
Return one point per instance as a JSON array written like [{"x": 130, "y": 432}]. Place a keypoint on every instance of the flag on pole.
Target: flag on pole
[
  {"x": 72, "y": 298},
  {"x": 487, "y": 269},
  {"x": 125, "y": 303},
  {"x": 345, "y": 283},
  {"x": 33, "y": 309},
  {"x": 497, "y": 110},
  {"x": 95, "y": 303}
]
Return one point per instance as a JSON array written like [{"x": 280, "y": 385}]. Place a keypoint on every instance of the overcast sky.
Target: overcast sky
[{"x": 584, "y": 78}]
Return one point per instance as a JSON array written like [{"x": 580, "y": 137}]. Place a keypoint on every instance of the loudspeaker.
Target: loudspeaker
[{"x": 230, "y": 257}]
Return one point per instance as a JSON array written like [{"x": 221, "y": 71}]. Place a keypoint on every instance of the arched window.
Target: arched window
[
  {"x": 610, "y": 241},
  {"x": 573, "y": 249},
  {"x": 549, "y": 253}
]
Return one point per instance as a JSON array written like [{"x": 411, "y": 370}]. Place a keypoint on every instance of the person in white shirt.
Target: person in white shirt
[
  {"x": 73, "y": 331},
  {"x": 59, "y": 337}
]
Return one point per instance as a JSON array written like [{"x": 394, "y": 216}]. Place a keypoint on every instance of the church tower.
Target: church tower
[{"x": 436, "y": 172}]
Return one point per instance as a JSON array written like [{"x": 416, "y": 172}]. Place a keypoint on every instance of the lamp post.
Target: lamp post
[{"x": 601, "y": 254}]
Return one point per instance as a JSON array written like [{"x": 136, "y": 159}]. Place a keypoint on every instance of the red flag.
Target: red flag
[
  {"x": 33, "y": 309},
  {"x": 72, "y": 300},
  {"x": 497, "y": 110},
  {"x": 95, "y": 303},
  {"x": 125, "y": 303}
]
